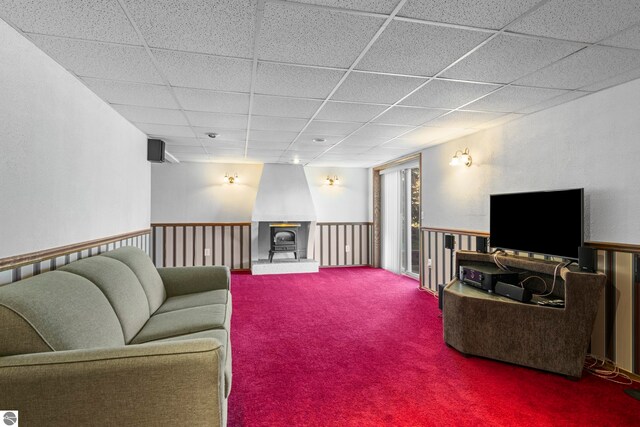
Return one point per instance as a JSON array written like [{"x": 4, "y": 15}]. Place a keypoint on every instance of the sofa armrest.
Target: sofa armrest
[
  {"x": 172, "y": 383},
  {"x": 189, "y": 280}
]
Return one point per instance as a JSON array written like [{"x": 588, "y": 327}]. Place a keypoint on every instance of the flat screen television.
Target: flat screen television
[{"x": 543, "y": 222}]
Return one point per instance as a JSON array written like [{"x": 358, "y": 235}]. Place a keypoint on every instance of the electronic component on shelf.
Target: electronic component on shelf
[
  {"x": 486, "y": 277},
  {"x": 514, "y": 292}
]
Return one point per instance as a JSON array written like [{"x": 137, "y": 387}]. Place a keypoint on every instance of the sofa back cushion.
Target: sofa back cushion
[
  {"x": 140, "y": 263},
  {"x": 55, "y": 311},
  {"x": 120, "y": 286}
]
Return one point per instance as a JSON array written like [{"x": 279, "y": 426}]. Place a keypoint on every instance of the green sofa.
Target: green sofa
[{"x": 111, "y": 340}]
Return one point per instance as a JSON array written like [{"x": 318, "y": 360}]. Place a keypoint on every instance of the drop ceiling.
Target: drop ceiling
[{"x": 373, "y": 80}]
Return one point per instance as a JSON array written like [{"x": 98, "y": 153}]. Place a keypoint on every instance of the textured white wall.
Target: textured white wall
[
  {"x": 71, "y": 168},
  {"x": 348, "y": 201},
  {"x": 195, "y": 192},
  {"x": 592, "y": 142}
]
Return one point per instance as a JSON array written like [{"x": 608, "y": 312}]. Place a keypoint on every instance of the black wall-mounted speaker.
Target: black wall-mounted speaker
[
  {"x": 481, "y": 244},
  {"x": 449, "y": 241},
  {"x": 587, "y": 259},
  {"x": 155, "y": 150}
]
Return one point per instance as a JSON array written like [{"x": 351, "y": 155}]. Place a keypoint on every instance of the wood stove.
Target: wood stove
[{"x": 284, "y": 238}]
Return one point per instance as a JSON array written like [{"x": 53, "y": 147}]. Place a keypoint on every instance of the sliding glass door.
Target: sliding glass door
[{"x": 410, "y": 221}]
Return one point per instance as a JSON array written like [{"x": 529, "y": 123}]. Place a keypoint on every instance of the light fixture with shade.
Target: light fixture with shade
[
  {"x": 230, "y": 179},
  {"x": 461, "y": 158},
  {"x": 331, "y": 180}
]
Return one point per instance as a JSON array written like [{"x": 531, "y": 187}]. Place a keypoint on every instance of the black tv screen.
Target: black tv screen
[{"x": 544, "y": 222}]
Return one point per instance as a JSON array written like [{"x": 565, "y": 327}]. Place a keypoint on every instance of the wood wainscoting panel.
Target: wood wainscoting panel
[
  {"x": 23, "y": 266},
  {"x": 342, "y": 244},
  {"x": 197, "y": 244}
]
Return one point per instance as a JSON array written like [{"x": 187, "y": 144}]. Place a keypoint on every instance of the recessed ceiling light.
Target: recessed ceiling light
[
  {"x": 319, "y": 140},
  {"x": 296, "y": 160},
  {"x": 212, "y": 135}
]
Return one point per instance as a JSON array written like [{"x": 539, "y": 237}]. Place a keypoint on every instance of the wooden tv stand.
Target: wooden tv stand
[{"x": 548, "y": 338}]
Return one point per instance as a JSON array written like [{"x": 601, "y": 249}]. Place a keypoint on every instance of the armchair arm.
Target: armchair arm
[
  {"x": 189, "y": 280},
  {"x": 171, "y": 383}
]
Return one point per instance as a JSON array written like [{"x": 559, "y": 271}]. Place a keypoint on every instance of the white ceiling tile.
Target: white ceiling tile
[
  {"x": 447, "y": 94},
  {"x": 376, "y": 88},
  {"x": 176, "y": 140},
  {"x": 132, "y": 93},
  {"x": 215, "y": 102},
  {"x": 198, "y": 158},
  {"x": 221, "y": 27},
  {"x": 614, "y": 81},
  {"x": 363, "y": 141},
  {"x": 226, "y": 152},
  {"x": 165, "y": 130},
  {"x": 409, "y": 115},
  {"x": 272, "y": 136},
  {"x": 189, "y": 149},
  {"x": 554, "y": 101},
  {"x": 382, "y": 131},
  {"x": 629, "y": 39},
  {"x": 152, "y": 115},
  {"x": 427, "y": 135},
  {"x": 507, "y": 58},
  {"x": 586, "y": 67},
  {"x": 89, "y": 20},
  {"x": 285, "y": 107},
  {"x": 288, "y": 80},
  {"x": 212, "y": 144},
  {"x": 94, "y": 59},
  {"x": 463, "y": 119},
  {"x": 307, "y": 138},
  {"x": 379, "y": 6},
  {"x": 429, "y": 51},
  {"x": 204, "y": 71},
  {"x": 269, "y": 145},
  {"x": 514, "y": 98},
  {"x": 349, "y": 111},
  {"x": 579, "y": 20},
  {"x": 312, "y": 36},
  {"x": 499, "y": 121},
  {"x": 226, "y": 135},
  {"x": 277, "y": 123},
  {"x": 262, "y": 153},
  {"x": 406, "y": 144},
  {"x": 332, "y": 128},
  {"x": 343, "y": 148},
  {"x": 493, "y": 14},
  {"x": 217, "y": 121}
]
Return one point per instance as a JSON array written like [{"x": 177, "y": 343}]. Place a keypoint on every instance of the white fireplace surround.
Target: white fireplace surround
[{"x": 283, "y": 196}]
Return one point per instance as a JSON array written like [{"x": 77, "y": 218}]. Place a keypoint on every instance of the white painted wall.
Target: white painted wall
[
  {"x": 71, "y": 168},
  {"x": 348, "y": 201},
  {"x": 196, "y": 192},
  {"x": 592, "y": 142}
]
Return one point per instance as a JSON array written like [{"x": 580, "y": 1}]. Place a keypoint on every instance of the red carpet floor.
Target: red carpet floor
[{"x": 363, "y": 347}]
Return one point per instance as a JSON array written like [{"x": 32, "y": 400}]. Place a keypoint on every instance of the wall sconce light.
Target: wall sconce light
[
  {"x": 461, "y": 158},
  {"x": 230, "y": 179},
  {"x": 331, "y": 180}
]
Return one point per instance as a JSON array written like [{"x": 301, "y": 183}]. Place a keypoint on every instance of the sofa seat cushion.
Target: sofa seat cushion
[
  {"x": 223, "y": 337},
  {"x": 185, "y": 321},
  {"x": 194, "y": 300}
]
